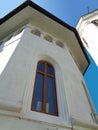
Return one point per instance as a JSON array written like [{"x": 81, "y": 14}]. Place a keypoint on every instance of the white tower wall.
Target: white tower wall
[
  {"x": 17, "y": 83},
  {"x": 88, "y": 31}
]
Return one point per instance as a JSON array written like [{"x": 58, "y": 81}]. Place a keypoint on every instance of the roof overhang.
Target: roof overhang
[{"x": 29, "y": 12}]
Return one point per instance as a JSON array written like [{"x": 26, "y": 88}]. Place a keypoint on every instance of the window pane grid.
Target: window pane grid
[
  {"x": 48, "y": 104},
  {"x": 40, "y": 67},
  {"x": 46, "y": 74},
  {"x": 38, "y": 92}
]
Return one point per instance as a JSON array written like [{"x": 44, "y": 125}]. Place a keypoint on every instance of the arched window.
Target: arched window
[{"x": 44, "y": 96}]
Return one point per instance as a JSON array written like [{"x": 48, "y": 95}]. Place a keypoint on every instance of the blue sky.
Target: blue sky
[{"x": 69, "y": 11}]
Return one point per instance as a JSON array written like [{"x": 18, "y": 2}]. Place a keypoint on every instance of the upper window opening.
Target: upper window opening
[
  {"x": 44, "y": 96},
  {"x": 48, "y": 38},
  {"x": 36, "y": 32},
  {"x": 60, "y": 44}
]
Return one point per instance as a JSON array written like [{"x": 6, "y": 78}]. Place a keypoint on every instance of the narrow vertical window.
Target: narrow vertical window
[{"x": 44, "y": 96}]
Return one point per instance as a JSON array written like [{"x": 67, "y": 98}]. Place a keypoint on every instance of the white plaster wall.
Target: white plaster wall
[
  {"x": 89, "y": 33},
  {"x": 7, "y": 48},
  {"x": 17, "y": 83},
  {"x": 10, "y": 123}
]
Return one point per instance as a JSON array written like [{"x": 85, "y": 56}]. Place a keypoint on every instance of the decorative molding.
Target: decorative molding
[
  {"x": 79, "y": 123},
  {"x": 10, "y": 105}
]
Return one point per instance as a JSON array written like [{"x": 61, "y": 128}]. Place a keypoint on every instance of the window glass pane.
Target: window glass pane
[
  {"x": 38, "y": 93},
  {"x": 40, "y": 67},
  {"x": 50, "y": 69},
  {"x": 50, "y": 104}
]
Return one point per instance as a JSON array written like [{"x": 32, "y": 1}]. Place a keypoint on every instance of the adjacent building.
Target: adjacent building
[{"x": 88, "y": 30}]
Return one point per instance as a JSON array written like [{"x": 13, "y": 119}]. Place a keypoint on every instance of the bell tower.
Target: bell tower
[
  {"x": 88, "y": 30},
  {"x": 42, "y": 62}
]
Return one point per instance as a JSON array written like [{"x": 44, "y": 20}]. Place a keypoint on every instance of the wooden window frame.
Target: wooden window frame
[{"x": 44, "y": 88}]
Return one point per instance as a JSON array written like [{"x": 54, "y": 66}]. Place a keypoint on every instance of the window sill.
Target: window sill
[{"x": 47, "y": 119}]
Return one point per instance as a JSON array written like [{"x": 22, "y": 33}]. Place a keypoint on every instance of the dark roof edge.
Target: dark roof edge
[
  {"x": 13, "y": 12},
  {"x": 43, "y": 11},
  {"x": 37, "y": 7}
]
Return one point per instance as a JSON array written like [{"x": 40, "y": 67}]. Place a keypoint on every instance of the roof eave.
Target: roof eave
[{"x": 43, "y": 11}]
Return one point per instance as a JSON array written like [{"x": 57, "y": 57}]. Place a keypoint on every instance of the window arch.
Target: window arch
[{"x": 44, "y": 96}]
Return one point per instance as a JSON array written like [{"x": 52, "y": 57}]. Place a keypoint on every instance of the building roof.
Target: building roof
[
  {"x": 87, "y": 18},
  {"x": 5, "y": 26}
]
